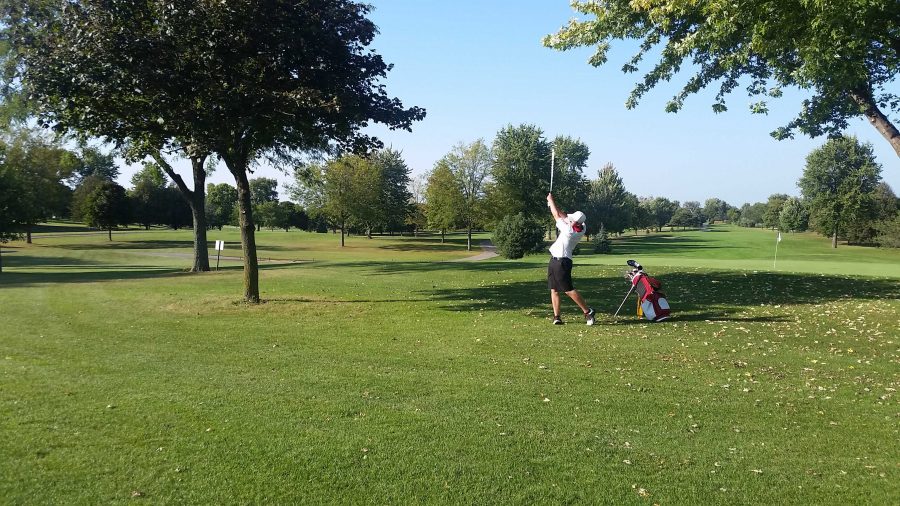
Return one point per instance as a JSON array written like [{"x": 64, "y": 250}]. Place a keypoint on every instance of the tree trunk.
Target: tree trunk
[
  {"x": 201, "y": 251},
  {"x": 109, "y": 231},
  {"x": 196, "y": 200},
  {"x": 28, "y": 234},
  {"x": 342, "y": 232},
  {"x": 442, "y": 236},
  {"x": 469, "y": 239},
  {"x": 1, "y": 257},
  {"x": 834, "y": 240},
  {"x": 863, "y": 97},
  {"x": 197, "y": 203},
  {"x": 248, "y": 230}
]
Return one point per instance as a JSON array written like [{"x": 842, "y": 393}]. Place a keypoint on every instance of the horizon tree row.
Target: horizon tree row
[{"x": 842, "y": 192}]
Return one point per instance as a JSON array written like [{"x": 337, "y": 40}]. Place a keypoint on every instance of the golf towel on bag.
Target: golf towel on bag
[{"x": 653, "y": 303}]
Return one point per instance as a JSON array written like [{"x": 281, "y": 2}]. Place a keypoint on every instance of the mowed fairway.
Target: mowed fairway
[{"x": 385, "y": 374}]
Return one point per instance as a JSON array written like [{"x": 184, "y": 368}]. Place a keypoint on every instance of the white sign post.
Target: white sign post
[{"x": 220, "y": 246}]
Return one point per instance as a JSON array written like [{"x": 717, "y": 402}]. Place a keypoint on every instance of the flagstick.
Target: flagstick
[{"x": 778, "y": 240}]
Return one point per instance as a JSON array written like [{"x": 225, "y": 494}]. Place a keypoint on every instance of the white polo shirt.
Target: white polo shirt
[{"x": 567, "y": 239}]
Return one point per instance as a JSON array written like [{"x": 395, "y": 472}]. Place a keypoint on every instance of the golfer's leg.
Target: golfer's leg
[
  {"x": 554, "y": 300},
  {"x": 575, "y": 296}
]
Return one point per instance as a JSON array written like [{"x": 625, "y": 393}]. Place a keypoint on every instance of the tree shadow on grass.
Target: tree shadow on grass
[
  {"x": 693, "y": 296},
  {"x": 71, "y": 270},
  {"x": 19, "y": 260},
  {"x": 129, "y": 245},
  {"x": 664, "y": 244},
  {"x": 109, "y": 273},
  {"x": 162, "y": 244},
  {"x": 391, "y": 268}
]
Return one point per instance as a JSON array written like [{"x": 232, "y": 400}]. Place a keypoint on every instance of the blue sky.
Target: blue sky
[{"x": 477, "y": 66}]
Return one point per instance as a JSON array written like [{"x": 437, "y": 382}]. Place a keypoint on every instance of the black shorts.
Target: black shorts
[{"x": 559, "y": 274}]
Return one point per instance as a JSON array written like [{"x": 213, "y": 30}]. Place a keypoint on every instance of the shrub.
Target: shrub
[
  {"x": 888, "y": 233},
  {"x": 516, "y": 236},
  {"x": 601, "y": 242}
]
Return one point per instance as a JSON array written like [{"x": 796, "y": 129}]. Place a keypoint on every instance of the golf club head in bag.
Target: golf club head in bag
[{"x": 636, "y": 268}]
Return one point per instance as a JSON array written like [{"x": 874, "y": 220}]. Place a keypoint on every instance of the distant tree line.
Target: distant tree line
[
  {"x": 478, "y": 186},
  {"x": 842, "y": 194},
  {"x": 42, "y": 180}
]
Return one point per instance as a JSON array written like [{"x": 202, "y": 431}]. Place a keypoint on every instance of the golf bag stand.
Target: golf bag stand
[{"x": 652, "y": 302}]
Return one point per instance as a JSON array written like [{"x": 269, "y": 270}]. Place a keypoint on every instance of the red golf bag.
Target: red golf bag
[{"x": 651, "y": 301}]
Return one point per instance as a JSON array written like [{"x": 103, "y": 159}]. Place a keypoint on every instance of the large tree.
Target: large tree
[
  {"x": 716, "y": 209},
  {"x": 521, "y": 171},
  {"x": 607, "y": 202},
  {"x": 774, "y": 206},
  {"x": 393, "y": 188},
  {"x": 417, "y": 218},
  {"x": 308, "y": 190},
  {"x": 99, "y": 69},
  {"x": 793, "y": 216},
  {"x": 92, "y": 162},
  {"x": 40, "y": 166},
  {"x": 570, "y": 186},
  {"x": 882, "y": 207},
  {"x": 221, "y": 201},
  {"x": 845, "y": 54},
  {"x": 470, "y": 165},
  {"x": 690, "y": 214},
  {"x": 106, "y": 207},
  {"x": 347, "y": 192},
  {"x": 10, "y": 190},
  {"x": 148, "y": 195},
  {"x": 751, "y": 215},
  {"x": 839, "y": 183},
  {"x": 444, "y": 199},
  {"x": 263, "y": 190},
  {"x": 242, "y": 79},
  {"x": 659, "y": 211}
]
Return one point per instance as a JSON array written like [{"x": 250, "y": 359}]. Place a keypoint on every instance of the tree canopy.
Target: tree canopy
[
  {"x": 241, "y": 79},
  {"x": 839, "y": 184},
  {"x": 106, "y": 207},
  {"x": 470, "y": 165},
  {"x": 521, "y": 170},
  {"x": 845, "y": 54},
  {"x": 444, "y": 197}
]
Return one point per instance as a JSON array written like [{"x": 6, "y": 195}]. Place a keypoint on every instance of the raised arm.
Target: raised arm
[{"x": 553, "y": 209}]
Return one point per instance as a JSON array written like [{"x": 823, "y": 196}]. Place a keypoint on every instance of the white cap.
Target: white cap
[{"x": 577, "y": 217}]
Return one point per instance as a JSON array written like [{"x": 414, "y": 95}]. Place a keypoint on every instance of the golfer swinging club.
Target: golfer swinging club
[{"x": 559, "y": 273}]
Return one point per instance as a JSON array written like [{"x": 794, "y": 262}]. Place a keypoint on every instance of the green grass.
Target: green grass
[{"x": 382, "y": 374}]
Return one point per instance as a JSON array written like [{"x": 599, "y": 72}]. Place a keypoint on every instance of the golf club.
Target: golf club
[
  {"x": 623, "y": 300},
  {"x": 552, "y": 163}
]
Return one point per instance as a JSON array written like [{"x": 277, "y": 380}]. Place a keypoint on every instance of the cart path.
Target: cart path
[
  {"x": 212, "y": 257},
  {"x": 488, "y": 250}
]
